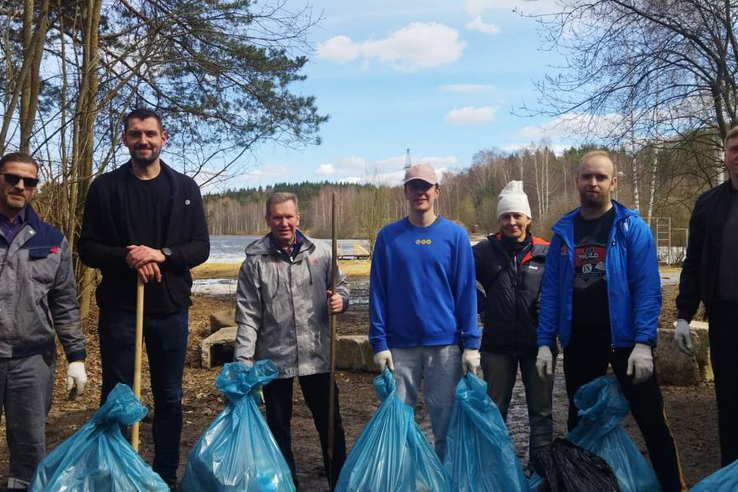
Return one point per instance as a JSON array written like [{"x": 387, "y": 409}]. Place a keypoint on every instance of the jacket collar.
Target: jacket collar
[
  {"x": 263, "y": 246},
  {"x": 565, "y": 225}
]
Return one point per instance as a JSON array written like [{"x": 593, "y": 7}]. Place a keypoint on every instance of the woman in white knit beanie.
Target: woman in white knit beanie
[{"x": 509, "y": 267}]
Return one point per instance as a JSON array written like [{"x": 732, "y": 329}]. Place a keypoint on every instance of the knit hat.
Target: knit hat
[{"x": 513, "y": 199}]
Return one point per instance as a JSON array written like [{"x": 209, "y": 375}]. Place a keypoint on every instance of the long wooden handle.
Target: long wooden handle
[
  {"x": 138, "y": 355},
  {"x": 331, "y": 390}
]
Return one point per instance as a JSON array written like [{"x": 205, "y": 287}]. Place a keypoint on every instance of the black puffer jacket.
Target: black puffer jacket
[{"x": 511, "y": 275}]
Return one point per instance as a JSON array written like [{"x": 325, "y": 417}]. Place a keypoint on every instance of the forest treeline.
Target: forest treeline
[{"x": 661, "y": 182}]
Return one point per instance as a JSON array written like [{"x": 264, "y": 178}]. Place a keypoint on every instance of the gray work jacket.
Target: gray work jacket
[
  {"x": 282, "y": 307},
  {"x": 38, "y": 296}
]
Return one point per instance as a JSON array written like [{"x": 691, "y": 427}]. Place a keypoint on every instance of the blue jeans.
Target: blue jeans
[
  {"x": 166, "y": 345},
  {"x": 440, "y": 369}
]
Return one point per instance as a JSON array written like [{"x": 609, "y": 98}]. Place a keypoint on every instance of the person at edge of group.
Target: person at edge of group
[
  {"x": 601, "y": 296},
  {"x": 38, "y": 298},
  {"x": 710, "y": 274},
  {"x": 509, "y": 267},
  {"x": 423, "y": 304},
  {"x": 283, "y": 303},
  {"x": 146, "y": 220}
]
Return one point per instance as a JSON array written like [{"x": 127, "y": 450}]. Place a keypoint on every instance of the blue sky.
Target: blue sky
[{"x": 441, "y": 78}]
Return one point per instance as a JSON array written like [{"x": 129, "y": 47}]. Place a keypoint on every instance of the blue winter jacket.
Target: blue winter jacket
[{"x": 633, "y": 284}]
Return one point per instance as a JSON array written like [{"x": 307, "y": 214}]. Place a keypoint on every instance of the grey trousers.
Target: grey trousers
[
  {"x": 500, "y": 372},
  {"x": 440, "y": 369},
  {"x": 26, "y": 388}
]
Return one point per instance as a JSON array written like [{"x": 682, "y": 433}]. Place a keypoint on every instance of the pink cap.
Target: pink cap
[{"x": 423, "y": 172}]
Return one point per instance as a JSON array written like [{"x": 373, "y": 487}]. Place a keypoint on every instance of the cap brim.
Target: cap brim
[{"x": 421, "y": 179}]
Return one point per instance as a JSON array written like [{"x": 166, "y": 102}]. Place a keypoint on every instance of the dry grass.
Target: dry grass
[{"x": 351, "y": 268}]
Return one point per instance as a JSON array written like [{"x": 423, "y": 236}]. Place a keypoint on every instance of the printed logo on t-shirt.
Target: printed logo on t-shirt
[
  {"x": 589, "y": 264},
  {"x": 421, "y": 242}
]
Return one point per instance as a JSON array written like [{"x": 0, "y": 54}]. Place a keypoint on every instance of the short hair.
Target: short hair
[
  {"x": 281, "y": 197},
  {"x": 597, "y": 153},
  {"x": 142, "y": 114},
  {"x": 18, "y": 157},
  {"x": 732, "y": 133}
]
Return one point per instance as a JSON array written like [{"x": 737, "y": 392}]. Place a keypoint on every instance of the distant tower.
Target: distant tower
[{"x": 407, "y": 159}]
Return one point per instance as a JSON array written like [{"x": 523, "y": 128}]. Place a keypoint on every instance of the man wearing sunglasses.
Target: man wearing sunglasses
[
  {"x": 38, "y": 299},
  {"x": 145, "y": 219}
]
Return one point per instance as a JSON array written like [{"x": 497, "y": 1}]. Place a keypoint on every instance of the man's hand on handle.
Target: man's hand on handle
[
  {"x": 145, "y": 261},
  {"x": 335, "y": 303},
  {"x": 683, "y": 336}
]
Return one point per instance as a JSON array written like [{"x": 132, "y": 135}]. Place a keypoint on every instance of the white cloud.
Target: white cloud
[
  {"x": 389, "y": 171},
  {"x": 418, "y": 45},
  {"x": 268, "y": 171},
  {"x": 468, "y": 88},
  {"x": 476, "y": 7},
  {"x": 572, "y": 127},
  {"x": 477, "y": 24},
  {"x": 471, "y": 116},
  {"x": 325, "y": 170},
  {"x": 339, "y": 49}
]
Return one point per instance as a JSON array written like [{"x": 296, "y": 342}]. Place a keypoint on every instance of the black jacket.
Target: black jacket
[
  {"x": 511, "y": 293},
  {"x": 698, "y": 279},
  {"x": 107, "y": 230}
]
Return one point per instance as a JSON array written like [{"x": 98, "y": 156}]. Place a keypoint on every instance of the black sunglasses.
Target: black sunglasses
[{"x": 13, "y": 179}]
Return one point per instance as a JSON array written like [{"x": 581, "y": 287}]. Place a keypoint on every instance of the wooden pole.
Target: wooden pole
[
  {"x": 332, "y": 389},
  {"x": 137, "y": 356}
]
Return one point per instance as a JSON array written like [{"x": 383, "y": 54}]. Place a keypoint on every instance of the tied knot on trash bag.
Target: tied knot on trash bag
[
  {"x": 384, "y": 385},
  {"x": 121, "y": 407},
  {"x": 237, "y": 380}
]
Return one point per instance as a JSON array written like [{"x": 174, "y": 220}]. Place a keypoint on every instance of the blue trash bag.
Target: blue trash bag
[
  {"x": 723, "y": 480},
  {"x": 392, "y": 454},
  {"x": 97, "y": 458},
  {"x": 602, "y": 406},
  {"x": 480, "y": 455},
  {"x": 237, "y": 452}
]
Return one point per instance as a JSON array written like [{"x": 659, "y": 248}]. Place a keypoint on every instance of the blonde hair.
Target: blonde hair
[{"x": 597, "y": 153}]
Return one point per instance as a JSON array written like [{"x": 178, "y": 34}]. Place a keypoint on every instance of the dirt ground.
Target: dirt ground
[{"x": 691, "y": 410}]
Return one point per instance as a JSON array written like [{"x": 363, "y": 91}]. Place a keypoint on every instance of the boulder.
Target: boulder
[
  {"x": 217, "y": 349},
  {"x": 354, "y": 353},
  {"x": 677, "y": 369},
  {"x": 222, "y": 319}
]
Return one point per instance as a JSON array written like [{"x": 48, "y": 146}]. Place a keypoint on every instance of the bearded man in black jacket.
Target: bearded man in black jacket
[{"x": 146, "y": 220}]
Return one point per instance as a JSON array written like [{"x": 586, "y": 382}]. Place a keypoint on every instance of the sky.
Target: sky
[{"x": 444, "y": 79}]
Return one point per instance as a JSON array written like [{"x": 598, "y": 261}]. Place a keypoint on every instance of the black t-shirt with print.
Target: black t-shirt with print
[{"x": 590, "y": 307}]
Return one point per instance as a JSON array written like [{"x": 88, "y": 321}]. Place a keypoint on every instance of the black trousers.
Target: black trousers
[
  {"x": 315, "y": 390},
  {"x": 723, "y": 334},
  {"x": 166, "y": 346},
  {"x": 586, "y": 358}
]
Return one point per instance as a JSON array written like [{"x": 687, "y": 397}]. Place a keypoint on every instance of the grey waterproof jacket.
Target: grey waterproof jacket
[
  {"x": 37, "y": 293},
  {"x": 282, "y": 307}
]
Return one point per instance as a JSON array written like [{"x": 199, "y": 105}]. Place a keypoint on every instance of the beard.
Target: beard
[
  {"x": 145, "y": 161},
  {"x": 593, "y": 201}
]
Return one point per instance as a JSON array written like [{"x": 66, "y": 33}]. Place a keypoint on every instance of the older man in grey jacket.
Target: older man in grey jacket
[
  {"x": 283, "y": 304},
  {"x": 38, "y": 299}
]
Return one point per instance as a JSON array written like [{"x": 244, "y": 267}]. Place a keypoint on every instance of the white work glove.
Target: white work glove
[
  {"x": 545, "y": 362},
  {"x": 683, "y": 336},
  {"x": 470, "y": 361},
  {"x": 640, "y": 363},
  {"x": 76, "y": 376},
  {"x": 384, "y": 358}
]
